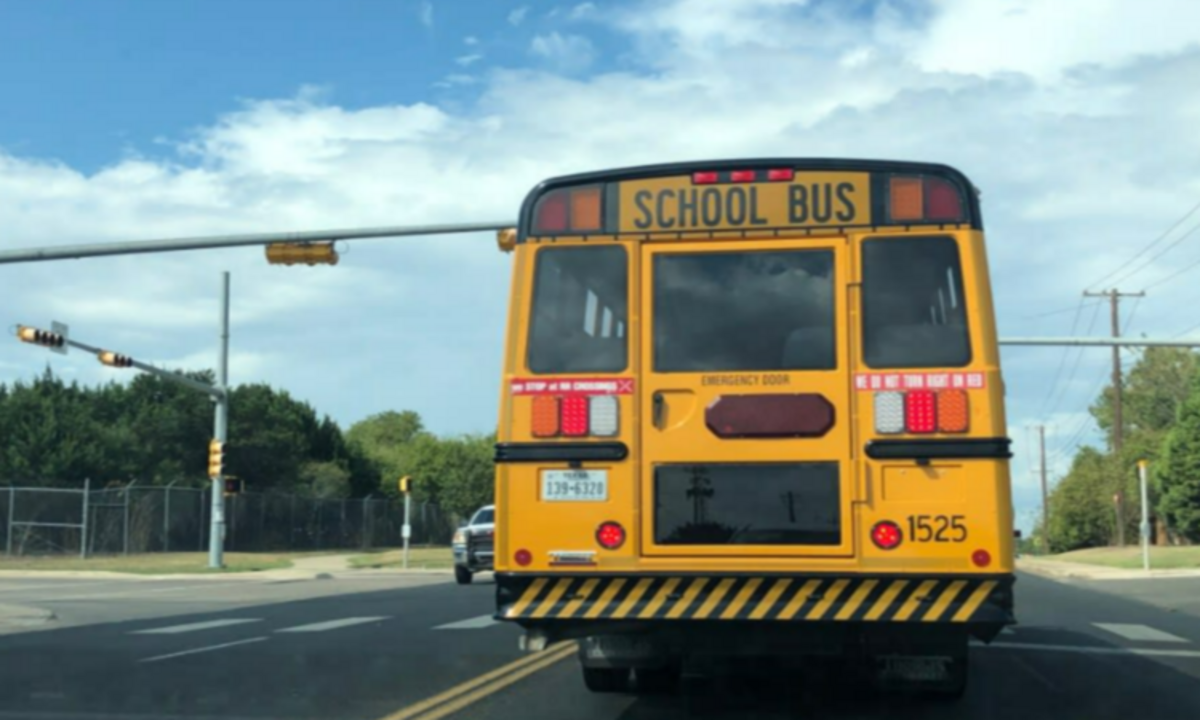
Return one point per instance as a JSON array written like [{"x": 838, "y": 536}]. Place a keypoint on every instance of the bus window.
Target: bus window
[
  {"x": 729, "y": 311},
  {"x": 913, "y": 312},
  {"x": 571, "y": 286}
]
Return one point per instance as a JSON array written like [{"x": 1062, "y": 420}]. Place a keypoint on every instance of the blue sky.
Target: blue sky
[{"x": 127, "y": 120}]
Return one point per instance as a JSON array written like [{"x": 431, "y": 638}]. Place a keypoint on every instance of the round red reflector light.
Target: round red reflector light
[
  {"x": 610, "y": 535},
  {"x": 981, "y": 558},
  {"x": 886, "y": 535},
  {"x": 523, "y": 557}
]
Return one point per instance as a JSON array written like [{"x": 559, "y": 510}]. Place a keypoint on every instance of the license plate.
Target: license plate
[{"x": 575, "y": 485}]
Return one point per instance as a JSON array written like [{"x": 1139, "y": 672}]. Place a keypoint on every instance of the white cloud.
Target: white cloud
[
  {"x": 1083, "y": 152},
  {"x": 517, "y": 16},
  {"x": 470, "y": 40},
  {"x": 467, "y": 60},
  {"x": 583, "y": 11},
  {"x": 567, "y": 53},
  {"x": 425, "y": 13}
]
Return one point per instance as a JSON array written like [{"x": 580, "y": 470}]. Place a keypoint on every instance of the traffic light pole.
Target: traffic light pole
[{"x": 216, "y": 539}]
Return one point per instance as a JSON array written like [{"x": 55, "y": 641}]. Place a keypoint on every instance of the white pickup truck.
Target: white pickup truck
[{"x": 473, "y": 545}]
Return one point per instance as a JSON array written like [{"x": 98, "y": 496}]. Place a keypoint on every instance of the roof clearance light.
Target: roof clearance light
[
  {"x": 907, "y": 198},
  {"x": 886, "y": 535},
  {"x": 603, "y": 413},
  {"x": 889, "y": 413},
  {"x": 545, "y": 416},
  {"x": 704, "y": 178},
  {"x": 740, "y": 176},
  {"x": 610, "y": 535},
  {"x": 585, "y": 209},
  {"x": 781, "y": 175},
  {"x": 952, "y": 411},
  {"x": 550, "y": 216},
  {"x": 920, "y": 411},
  {"x": 575, "y": 416},
  {"x": 942, "y": 201}
]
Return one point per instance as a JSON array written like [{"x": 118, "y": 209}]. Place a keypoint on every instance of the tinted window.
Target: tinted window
[
  {"x": 483, "y": 517},
  {"x": 579, "y": 310},
  {"x": 793, "y": 504},
  {"x": 913, "y": 306},
  {"x": 744, "y": 311}
]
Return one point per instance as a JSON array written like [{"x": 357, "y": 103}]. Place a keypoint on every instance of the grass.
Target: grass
[
  {"x": 420, "y": 558},
  {"x": 158, "y": 563},
  {"x": 1131, "y": 557}
]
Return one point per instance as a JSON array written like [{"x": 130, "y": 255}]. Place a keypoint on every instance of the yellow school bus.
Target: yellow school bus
[{"x": 754, "y": 409}]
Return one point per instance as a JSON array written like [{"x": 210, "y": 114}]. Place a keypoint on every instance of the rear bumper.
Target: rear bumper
[{"x": 981, "y": 604}]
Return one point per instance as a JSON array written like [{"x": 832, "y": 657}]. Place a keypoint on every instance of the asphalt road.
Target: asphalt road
[{"x": 380, "y": 648}]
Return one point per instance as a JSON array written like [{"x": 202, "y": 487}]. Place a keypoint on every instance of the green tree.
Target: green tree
[
  {"x": 1081, "y": 514},
  {"x": 1177, "y": 475},
  {"x": 387, "y": 441},
  {"x": 456, "y": 473}
]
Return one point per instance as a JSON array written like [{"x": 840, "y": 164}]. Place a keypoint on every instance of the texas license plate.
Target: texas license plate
[{"x": 575, "y": 485}]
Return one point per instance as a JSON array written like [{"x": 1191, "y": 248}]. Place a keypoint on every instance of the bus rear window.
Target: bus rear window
[
  {"x": 580, "y": 310},
  {"x": 913, "y": 307},
  {"x": 754, "y": 310}
]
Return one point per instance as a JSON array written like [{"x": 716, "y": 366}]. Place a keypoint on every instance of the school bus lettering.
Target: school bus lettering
[
  {"x": 817, "y": 201},
  {"x": 810, "y": 200},
  {"x": 753, "y": 391}
]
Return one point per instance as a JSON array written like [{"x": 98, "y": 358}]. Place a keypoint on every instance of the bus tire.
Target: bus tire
[
  {"x": 462, "y": 575},
  {"x": 606, "y": 680}
]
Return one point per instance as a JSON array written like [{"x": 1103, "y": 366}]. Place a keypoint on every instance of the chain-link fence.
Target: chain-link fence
[{"x": 141, "y": 519}]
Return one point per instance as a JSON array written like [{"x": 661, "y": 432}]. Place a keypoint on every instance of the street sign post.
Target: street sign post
[
  {"x": 1145, "y": 515},
  {"x": 406, "y": 531}
]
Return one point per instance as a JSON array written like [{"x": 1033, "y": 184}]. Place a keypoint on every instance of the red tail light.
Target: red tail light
[
  {"x": 920, "y": 411},
  {"x": 575, "y": 416},
  {"x": 523, "y": 557},
  {"x": 610, "y": 535},
  {"x": 981, "y": 558},
  {"x": 886, "y": 535}
]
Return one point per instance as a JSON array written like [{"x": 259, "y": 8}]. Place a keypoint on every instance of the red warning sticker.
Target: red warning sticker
[
  {"x": 572, "y": 386},
  {"x": 919, "y": 381}
]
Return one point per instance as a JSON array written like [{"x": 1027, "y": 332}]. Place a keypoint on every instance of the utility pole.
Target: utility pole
[
  {"x": 1045, "y": 494},
  {"x": 216, "y": 534},
  {"x": 1114, "y": 297}
]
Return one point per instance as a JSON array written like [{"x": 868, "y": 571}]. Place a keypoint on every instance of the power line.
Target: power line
[
  {"x": 1058, "y": 393},
  {"x": 1181, "y": 270},
  {"x": 1062, "y": 359},
  {"x": 1147, "y": 248},
  {"x": 1061, "y": 311}
]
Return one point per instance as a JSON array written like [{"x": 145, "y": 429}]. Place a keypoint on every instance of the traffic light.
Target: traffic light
[
  {"x": 216, "y": 458},
  {"x": 233, "y": 486},
  {"x": 405, "y": 484},
  {"x": 44, "y": 338},
  {"x": 295, "y": 253},
  {"x": 115, "y": 360}
]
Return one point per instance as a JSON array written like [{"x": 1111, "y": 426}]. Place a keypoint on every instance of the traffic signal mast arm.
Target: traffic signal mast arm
[
  {"x": 66, "y": 252},
  {"x": 108, "y": 357}
]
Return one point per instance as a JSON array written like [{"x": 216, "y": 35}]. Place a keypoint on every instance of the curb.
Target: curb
[
  {"x": 24, "y": 615},
  {"x": 1051, "y": 569}
]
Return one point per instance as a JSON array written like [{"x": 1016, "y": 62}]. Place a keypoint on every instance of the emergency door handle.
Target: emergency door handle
[{"x": 658, "y": 408}]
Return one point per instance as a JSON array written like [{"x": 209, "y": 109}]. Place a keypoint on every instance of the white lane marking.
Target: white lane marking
[
  {"x": 191, "y": 627},
  {"x": 332, "y": 624},
  {"x": 139, "y": 593},
  {"x": 1139, "y": 632},
  {"x": 1092, "y": 650},
  {"x": 210, "y": 648},
  {"x": 474, "y": 623}
]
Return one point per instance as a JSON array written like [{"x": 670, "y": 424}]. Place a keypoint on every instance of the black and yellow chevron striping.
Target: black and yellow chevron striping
[{"x": 852, "y": 599}]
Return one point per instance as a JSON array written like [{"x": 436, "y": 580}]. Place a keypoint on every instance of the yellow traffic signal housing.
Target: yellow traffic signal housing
[
  {"x": 115, "y": 360},
  {"x": 216, "y": 458},
  {"x": 506, "y": 239},
  {"x": 405, "y": 485},
  {"x": 233, "y": 486},
  {"x": 40, "y": 337},
  {"x": 301, "y": 253}
]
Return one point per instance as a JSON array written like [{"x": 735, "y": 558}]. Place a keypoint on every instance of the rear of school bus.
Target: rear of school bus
[{"x": 754, "y": 410}]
